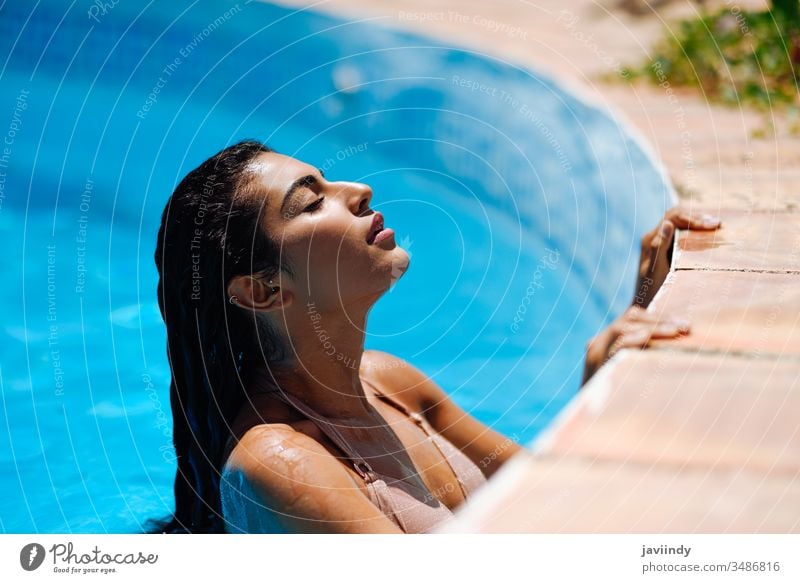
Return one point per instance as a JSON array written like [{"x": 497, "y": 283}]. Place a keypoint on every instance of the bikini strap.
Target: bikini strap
[
  {"x": 360, "y": 465},
  {"x": 423, "y": 424},
  {"x": 416, "y": 417}
]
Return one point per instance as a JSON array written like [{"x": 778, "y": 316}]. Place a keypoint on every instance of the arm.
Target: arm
[
  {"x": 487, "y": 448},
  {"x": 484, "y": 446},
  {"x": 295, "y": 482}
]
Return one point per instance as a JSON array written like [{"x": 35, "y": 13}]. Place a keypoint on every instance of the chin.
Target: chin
[{"x": 401, "y": 260}]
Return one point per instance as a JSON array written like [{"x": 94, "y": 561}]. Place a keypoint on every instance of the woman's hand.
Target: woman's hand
[
  {"x": 637, "y": 327},
  {"x": 656, "y": 254},
  {"x": 634, "y": 329}
]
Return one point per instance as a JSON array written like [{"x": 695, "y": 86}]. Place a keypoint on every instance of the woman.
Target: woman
[{"x": 282, "y": 421}]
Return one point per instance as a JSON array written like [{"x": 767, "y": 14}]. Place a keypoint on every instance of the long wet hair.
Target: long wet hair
[{"x": 210, "y": 232}]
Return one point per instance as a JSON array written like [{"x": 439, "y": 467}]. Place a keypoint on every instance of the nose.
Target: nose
[{"x": 358, "y": 197}]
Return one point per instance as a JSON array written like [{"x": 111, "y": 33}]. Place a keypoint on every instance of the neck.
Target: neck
[{"x": 326, "y": 349}]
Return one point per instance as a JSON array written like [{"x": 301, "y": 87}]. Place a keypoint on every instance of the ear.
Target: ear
[{"x": 256, "y": 293}]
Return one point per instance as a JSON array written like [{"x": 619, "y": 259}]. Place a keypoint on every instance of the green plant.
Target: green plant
[
  {"x": 788, "y": 10},
  {"x": 734, "y": 56}
]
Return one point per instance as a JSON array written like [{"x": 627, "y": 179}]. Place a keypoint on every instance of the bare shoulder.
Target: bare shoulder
[
  {"x": 379, "y": 362},
  {"x": 269, "y": 452},
  {"x": 400, "y": 379},
  {"x": 290, "y": 479}
]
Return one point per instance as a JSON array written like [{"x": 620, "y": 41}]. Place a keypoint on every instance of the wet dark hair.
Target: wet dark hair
[{"x": 210, "y": 232}]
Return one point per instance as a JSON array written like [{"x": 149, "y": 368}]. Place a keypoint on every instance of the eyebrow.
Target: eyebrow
[{"x": 303, "y": 181}]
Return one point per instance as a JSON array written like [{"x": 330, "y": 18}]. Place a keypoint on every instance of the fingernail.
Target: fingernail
[
  {"x": 683, "y": 324},
  {"x": 666, "y": 228},
  {"x": 709, "y": 220}
]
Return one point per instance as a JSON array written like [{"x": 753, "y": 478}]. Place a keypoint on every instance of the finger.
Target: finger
[
  {"x": 632, "y": 319},
  {"x": 704, "y": 222},
  {"x": 614, "y": 346},
  {"x": 641, "y": 337},
  {"x": 635, "y": 312},
  {"x": 653, "y": 319},
  {"x": 665, "y": 234},
  {"x": 660, "y": 245},
  {"x": 603, "y": 347},
  {"x": 638, "y": 338},
  {"x": 684, "y": 219},
  {"x": 666, "y": 231},
  {"x": 647, "y": 239},
  {"x": 668, "y": 330}
]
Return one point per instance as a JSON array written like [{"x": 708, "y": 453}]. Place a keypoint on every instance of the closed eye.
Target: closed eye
[{"x": 314, "y": 206}]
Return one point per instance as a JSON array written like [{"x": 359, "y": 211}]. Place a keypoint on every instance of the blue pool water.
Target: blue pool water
[{"x": 520, "y": 205}]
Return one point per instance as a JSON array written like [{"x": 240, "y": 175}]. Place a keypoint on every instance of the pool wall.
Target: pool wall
[{"x": 521, "y": 205}]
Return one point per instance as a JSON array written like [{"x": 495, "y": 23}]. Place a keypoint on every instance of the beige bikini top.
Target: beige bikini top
[{"x": 413, "y": 508}]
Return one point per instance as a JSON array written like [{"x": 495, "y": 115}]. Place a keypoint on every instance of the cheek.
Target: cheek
[
  {"x": 334, "y": 252},
  {"x": 337, "y": 253},
  {"x": 339, "y": 231}
]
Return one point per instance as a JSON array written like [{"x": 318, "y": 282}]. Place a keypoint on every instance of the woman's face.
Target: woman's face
[{"x": 325, "y": 230}]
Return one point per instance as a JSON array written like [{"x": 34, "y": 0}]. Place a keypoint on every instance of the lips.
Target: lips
[{"x": 375, "y": 228}]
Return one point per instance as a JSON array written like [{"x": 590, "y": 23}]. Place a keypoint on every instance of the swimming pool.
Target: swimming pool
[{"x": 520, "y": 205}]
